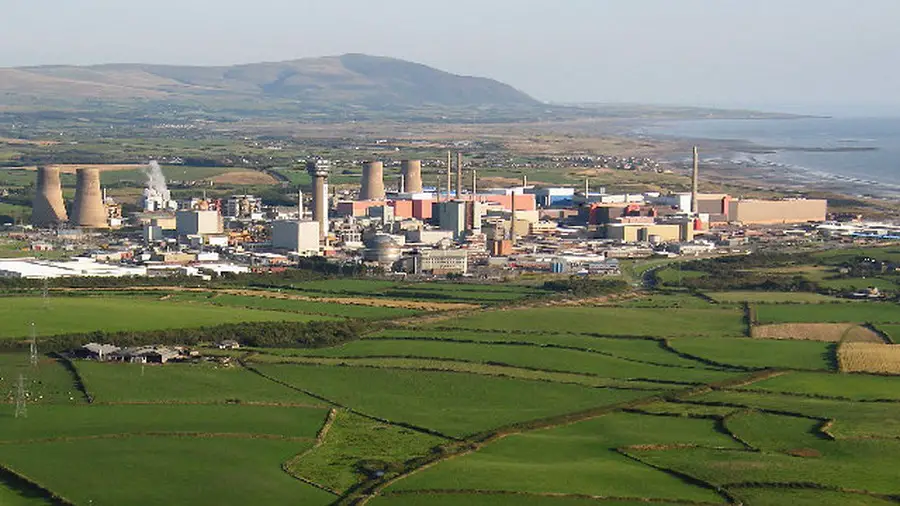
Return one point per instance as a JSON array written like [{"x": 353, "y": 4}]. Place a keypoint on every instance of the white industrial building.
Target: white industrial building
[
  {"x": 198, "y": 222},
  {"x": 298, "y": 236},
  {"x": 31, "y": 268}
]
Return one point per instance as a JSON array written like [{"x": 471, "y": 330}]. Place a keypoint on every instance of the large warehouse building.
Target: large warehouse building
[{"x": 774, "y": 212}]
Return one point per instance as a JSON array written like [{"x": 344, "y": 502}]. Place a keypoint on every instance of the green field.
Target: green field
[
  {"x": 859, "y": 312},
  {"x": 63, "y": 315},
  {"x": 295, "y": 306},
  {"x": 771, "y": 297},
  {"x": 759, "y": 353},
  {"x": 531, "y": 357},
  {"x": 109, "y": 382},
  {"x": 450, "y": 403},
  {"x": 892, "y": 331},
  {"x": 610, "y": 321},
  {"x": 849, "y": 386},
  {"x": 569, "y": 460}
]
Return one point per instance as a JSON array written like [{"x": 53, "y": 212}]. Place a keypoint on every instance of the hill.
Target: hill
[{"x": 352, "y": 82}]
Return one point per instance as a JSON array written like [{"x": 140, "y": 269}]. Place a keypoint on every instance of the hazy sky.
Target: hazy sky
[{"x": 811, "y": 55}]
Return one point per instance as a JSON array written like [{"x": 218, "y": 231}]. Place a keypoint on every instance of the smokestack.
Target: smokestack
[
  {"x": 318, "y": 171},
  {"x": 587, "y": 187},
  {"x": 372, "y": 181},
  {"x": 474, "y": 184},
  {"x": 512, "y": 220},
  {"x": 299, "y": 204},
  {"x": 48, "y": 208},
  {"x": 88, "y": 210},
  {"x": 449, "y": 168},
  {"x": 524, "y": 180},
  {"x": 459, "y": 183},
  {"x": 411, "y": 170},
  {"x": 695, "y": 206},
  {"x": 402, "y": 187}
]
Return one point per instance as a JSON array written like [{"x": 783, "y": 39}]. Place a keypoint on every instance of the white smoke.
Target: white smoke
[{"x": 156, "y": 182}]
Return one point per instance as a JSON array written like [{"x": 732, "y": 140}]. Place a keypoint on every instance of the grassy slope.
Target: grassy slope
[
  {"x": 771, "y": 297},
  {"x": 297, "y": 306},
  {"x": 451, "y": 403},
  {"x": 851, "y": 386},
  {"x": 85, "y": 314},
  {"x": 570, "y": 459},
  {"x": 472, "y": 499},
  {"x": 610, "y": 321}
]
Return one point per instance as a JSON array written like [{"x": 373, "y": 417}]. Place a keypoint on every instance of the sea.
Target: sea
[{"x": 859, "y": 153}]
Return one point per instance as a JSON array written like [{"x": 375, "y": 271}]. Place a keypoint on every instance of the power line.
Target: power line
[{"x": 21, "y": 398}]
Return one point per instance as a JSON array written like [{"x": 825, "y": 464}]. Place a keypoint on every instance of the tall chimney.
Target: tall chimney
[
  {"x": 88, "y": 210},
  {"x": 524, "y": 180},
  {"x": 695, "y": 183},
  {"x": 449, "y": 168},
  {"x": 372, "y": 181},
  {"x": 512, "y": 220},
  {"x": 411, "y": 170},
  {"x": 48, "y": 208},
  {"x": 474, "y": 184},
  {"x": 587, "y": 187},
  {"x": 318, "y": 171},
  {"x": 299, "y": 204},
  {"x": 459, "y": 166}
]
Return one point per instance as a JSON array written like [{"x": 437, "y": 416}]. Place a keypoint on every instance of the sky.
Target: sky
[{"x": 818, "y": 56}]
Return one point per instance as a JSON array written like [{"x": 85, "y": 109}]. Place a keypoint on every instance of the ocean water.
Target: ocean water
[{"x": 878, "y": 167}]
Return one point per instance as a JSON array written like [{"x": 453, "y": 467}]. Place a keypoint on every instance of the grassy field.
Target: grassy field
[
  {"x": 850, "y": 386},
  {"x": 512, "y": 499},
  {"x": 59, "y": 315},
  {"x": 295, "y": 306},
  {"x": 759, "y": 496},
  {"x": 891, "y": 331},
  {"x": 450, "y": 403},
  {"x": 353, "y": 442},
  {"x": 520, "y": 356},
  {"x": 569, "y": 459},
  {"x": 771, "y": 297},
  {"x": 610, "y": 321},
  {"x": 47, "y": 383},
  {"x": 858, "y": 312},
  {"x": 165, "y": 470},
  {"x": 759, "y": 353},
  {"x": 183, "y": 383}
]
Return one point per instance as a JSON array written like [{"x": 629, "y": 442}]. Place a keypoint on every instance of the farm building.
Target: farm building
[{"x": 96, "y": 351}]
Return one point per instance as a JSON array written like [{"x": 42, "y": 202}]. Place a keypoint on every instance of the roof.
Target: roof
[{"x": 100, "y": 349}]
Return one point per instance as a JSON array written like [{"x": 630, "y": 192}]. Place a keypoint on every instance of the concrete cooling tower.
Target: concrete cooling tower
[
  {"x": 412, "y": 175},
  {"x": 48, "y": 208},
  {"x": 372, "y": 181},
  {"x": 88, "y": 210}
]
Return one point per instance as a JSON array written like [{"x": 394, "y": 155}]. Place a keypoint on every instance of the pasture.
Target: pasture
[
  {"x": 69, "y": 315},
  {"x": 856, "y": 312}
]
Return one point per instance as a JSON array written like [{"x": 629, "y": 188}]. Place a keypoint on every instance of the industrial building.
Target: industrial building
[
  {"x": 198, "y": 222},
  {"x": 775, "y": 212},
  {"x": 301, "y": 237},
  {"x": 650, "y": 232},
  {"x": 441, "y": 261}
]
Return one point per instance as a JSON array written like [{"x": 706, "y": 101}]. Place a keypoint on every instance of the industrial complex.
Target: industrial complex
[{"x": 409, "y": 229}]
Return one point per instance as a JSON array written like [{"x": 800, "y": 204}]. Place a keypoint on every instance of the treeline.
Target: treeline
[
  {"x": 582, "y": 286},
  {"x": 315, "y": 334}
]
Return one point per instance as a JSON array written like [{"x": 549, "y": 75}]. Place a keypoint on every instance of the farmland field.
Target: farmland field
[
  {"x": 505, "y": 395},
  {"x": 58, "y": 315},
  {"x": 857, "y": 312},
  {"x": 610, "y": 321}
]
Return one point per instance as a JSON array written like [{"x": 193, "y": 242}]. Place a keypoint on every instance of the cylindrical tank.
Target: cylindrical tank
[
  {"x": 372, "y": 181},
  {"x": 88, "y": 210},
  {"x": 412, "y": 175},
  {"x": 48, "y": 208},
  {"x": 382, "y": 249}
]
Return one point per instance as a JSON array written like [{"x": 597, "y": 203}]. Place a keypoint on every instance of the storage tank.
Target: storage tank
[
  {"x": 372, "y": 181},
  {"x": 48, "y": 208},
  {"x": 88, "y": 211}
]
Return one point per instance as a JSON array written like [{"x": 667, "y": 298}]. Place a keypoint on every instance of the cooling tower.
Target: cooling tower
[
  {"x": 48, "y": 208},
  {"x": 372, "y": 181},
  {"x": 88, "y": 210},
  {"x": 412, "y": 175}
]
